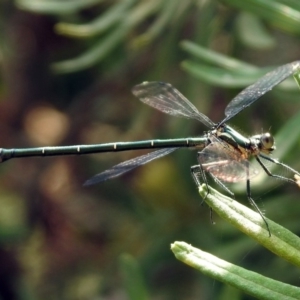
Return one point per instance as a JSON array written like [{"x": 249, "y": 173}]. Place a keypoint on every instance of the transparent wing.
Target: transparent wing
[
  {"x": 259, "y": 88},
  {"x": 164, "y": 97},
  {"x": 225, "y": 163},
  {"x": 128, "y": 165}
]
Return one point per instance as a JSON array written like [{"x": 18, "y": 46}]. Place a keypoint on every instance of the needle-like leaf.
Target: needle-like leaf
[
  {"x": 282, "y": 242},
  {"x": 249, "y": 282}
]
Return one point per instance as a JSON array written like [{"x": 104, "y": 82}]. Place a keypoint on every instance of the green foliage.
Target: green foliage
[
  {"x": 282, "y": 242},
  {"x": 68, "y": 67},
  {"x": 251, "y": 283}
]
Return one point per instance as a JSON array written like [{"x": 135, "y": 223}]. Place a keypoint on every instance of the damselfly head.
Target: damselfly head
[{"x": 265, "y": 142}]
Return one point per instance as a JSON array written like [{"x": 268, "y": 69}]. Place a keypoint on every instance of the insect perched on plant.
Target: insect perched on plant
[{"x": 222, "y": 151}]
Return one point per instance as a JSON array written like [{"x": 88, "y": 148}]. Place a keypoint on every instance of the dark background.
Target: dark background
[{"x": 60, "y": 240}]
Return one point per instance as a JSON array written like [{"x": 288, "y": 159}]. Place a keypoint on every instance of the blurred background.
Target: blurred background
[{"x": 67, "y": 72}]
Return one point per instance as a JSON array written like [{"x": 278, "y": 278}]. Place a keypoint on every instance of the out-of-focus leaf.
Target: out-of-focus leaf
[
  {"x": 253, "y": 33},
  {"x": 107, "y": 43},
  {"x": 231, "y": 73},
  {"x": 282, "y": 15},
  {"x": 167, "y": 12},
  {"x": 55, "y": 6},
  {"x": 216, "y": 58},
  {"x": 97, "y": 26},
  {"x": 93, "y": 55},
  {"x": 218, "y": 76}
]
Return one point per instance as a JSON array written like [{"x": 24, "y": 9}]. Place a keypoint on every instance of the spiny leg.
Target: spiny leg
[
  {"x": 198, "y": 169},
  {"x": 277, "y": 163},
  {"x": 195, "y": 170},
  {"x": 222, "y": 185},
  {"x": 252, "y": 202}
]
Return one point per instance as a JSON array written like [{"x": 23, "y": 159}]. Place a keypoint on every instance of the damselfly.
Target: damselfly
[{"x": 224, "y": 152}]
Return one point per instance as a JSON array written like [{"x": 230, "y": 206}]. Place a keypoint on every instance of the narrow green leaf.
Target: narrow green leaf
[
  {"x": 281, "y": 15},
  {"x": 218, "y": 76},
  {"x": 55, "y": 6},
  {"x": 108, "y": 43},
  {"x": 282, "y": 242},
  {"x": 250, "y": 282},
  {"x": 165, "y": 16},
  {"x": 229, "y": 73},
  {"x": 216, "y": 58},
  {"x": 253, "y": 33},
  {"x": 97, "y": 26}
]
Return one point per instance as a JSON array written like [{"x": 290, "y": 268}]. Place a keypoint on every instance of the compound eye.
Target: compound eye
[{"x": 267, "y": 141}]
